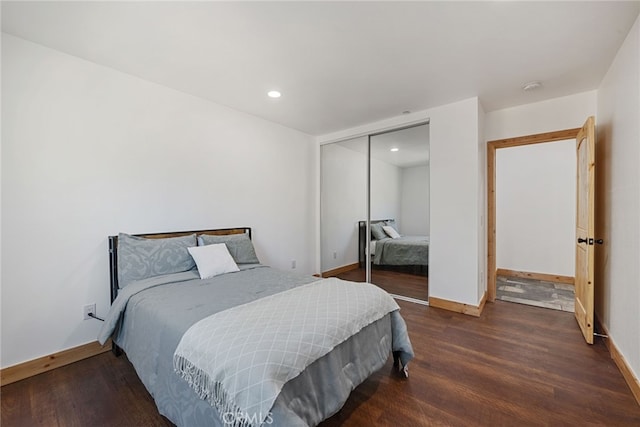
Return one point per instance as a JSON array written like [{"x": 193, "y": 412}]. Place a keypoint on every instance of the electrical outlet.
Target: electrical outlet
[
  {"x": 293, "y": 263},
  {"x": 89, "y": 308}
]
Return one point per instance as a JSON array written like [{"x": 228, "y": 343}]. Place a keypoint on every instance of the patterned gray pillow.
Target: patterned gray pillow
[
  {"x": 140, "y": 258},
  {"x": 377, "y": 232},
  {"x": 239, "y": 245}
]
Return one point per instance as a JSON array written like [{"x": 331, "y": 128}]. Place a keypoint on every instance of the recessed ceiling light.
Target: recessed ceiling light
[
  {"x": 274, "y": 94},
  {"x": 394, "y": 149},
  {"x": 528, "y": 87}
]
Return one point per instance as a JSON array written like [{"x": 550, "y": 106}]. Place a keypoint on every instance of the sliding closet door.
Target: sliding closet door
[
  {"x": 343, "y": 206},
  {"x": 399, "y": 211}
]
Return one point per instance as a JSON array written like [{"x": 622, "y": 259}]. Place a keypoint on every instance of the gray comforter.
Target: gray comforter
[
  {"x": 406, "y": 250},
  {"x": 149, "y": 318}
]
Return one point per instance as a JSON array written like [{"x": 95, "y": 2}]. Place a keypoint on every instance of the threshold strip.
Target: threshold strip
[{"x": 409, "y": 299}]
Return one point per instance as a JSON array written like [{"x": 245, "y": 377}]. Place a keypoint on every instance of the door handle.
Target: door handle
[{"x": 590, "y": 240}]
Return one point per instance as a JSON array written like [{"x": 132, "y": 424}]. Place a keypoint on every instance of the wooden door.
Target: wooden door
[{"x": 585, "y": 239}]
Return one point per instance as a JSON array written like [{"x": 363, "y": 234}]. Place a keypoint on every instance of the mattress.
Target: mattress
[{"x": 406, "y": 250}]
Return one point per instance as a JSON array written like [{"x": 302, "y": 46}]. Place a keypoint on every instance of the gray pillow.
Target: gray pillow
[
  {"x": 239, "y": 245},
  {"x": 140, "y": 258},
  {"x": 377, "y": 232}
]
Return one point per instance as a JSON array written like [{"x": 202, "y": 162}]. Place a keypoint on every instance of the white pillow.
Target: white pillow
[
  {"x": 391, "y": 232},
  {"x": 213, "y": 260}
]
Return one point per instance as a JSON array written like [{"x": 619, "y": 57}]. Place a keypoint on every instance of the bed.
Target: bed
[
  {"x": 406, "y": 253},
  {"x": 153, "y": 318}
]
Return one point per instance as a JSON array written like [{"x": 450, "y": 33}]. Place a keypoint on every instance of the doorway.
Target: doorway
[{"x": 519, "y": 234}]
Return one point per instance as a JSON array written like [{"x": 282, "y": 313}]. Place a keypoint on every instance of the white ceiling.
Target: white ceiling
[
  {"x": 412, "y": 144},
  {"x": 339, "y": 64}
]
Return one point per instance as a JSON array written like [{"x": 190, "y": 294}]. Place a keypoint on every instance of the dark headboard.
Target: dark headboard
[
  {"x": 113, "y": 247},
  {"x": 362, "y": 238}
]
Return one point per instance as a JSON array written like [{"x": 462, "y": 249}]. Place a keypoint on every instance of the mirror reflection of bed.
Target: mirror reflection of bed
[
  {"x": 398, "y": 182},
  {"x": 399, "y": 262}
]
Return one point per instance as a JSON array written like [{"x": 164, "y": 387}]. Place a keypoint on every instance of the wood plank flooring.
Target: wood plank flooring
[
  {"x": 514, "y": 366},
  {"x": 409, "y": 285}
]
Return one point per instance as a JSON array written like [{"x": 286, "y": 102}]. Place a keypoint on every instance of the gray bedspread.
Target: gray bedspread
[
  {"x": 406, "y": 250},
  {"x": 240, "y": 358},
  {"x": 140, "y": 324}
]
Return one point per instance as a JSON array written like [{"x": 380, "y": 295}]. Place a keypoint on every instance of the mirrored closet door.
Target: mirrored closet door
[
  {"x": 383, "y": 178},
  {"x": 399, "y": 211},
  {"x": 343, "y": 203}
]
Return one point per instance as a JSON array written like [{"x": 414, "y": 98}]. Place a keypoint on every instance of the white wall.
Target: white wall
[
  {"x": 482, "y": 203},
  {"x": 618, "y": 200},
  {"x": 546, "y": 172},
  {"x": 535, "y": 208},
  {"x": 454, "y": 257},
  {"x": 88, "y": 151},
  {"x": 562, "y": 113},
  {"x": 343, "y": 202},
  {"x": 386, "y": 191},
  {"x": 414, "y": 204}
]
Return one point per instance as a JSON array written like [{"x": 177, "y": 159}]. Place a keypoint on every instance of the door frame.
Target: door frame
[{"x": 492, "y": 146}]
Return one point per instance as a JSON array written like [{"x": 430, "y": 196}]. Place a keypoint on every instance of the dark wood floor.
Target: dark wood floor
[
  {"x": 409, "y": 285},
  {"x": 514, "y": 366}
]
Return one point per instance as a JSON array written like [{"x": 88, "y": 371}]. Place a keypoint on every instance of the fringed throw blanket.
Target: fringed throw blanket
[{"x": 239, "y": 359}]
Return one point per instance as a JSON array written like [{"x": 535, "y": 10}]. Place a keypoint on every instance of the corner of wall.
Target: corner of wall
[
  {"x": 482, "y": 205},
  {"x": 618, "y": 201},
  {"x": 455, "y": 186}
]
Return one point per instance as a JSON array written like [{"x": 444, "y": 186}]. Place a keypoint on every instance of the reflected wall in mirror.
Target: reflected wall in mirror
[
  {"x": 343, "y": 202},
  {"x": 399, "y": 208}
]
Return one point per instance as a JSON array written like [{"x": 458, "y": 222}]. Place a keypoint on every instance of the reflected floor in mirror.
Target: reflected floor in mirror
[{"x": 398, "y": 283}]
